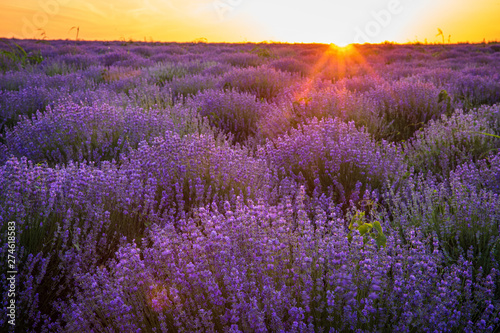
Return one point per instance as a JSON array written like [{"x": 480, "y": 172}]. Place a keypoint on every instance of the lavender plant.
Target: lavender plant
[
  {"x": 191, "y": 85},
  {"x": 446, "y": 143},
  {"x": 462, "y": 211},
  {"x": 334, "y": 158},
  {"x": 242, "y": 60},
  {"x": 232, "y": 112},
  {"x": 405, "y": 107},
  {"x": 291, "y": 65},
  {"x": 196, "y": 170},
  {"x": 472, "y": 91},
  {"x": 265, "y": 83},
  {"x": 69, "y": 220}
]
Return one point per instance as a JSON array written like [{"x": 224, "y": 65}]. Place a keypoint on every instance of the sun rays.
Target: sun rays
[{"x": 337, "y": 61}]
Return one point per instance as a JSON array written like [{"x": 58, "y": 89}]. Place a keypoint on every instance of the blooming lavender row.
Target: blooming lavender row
[
  {"x": 475, "y": 83},
  {"x": 72, "y": 132},
  {"x": 250, "y": 270}
]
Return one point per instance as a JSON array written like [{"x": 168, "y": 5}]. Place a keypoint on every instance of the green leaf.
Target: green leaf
[
  {"x": 488, "y": 134},
  {"x": 351, "y": 225},
  {"x": 21, "y": 49},
  {"x": 381, "y": 240},
  {"x": 378, "y": 227},
  {"x": 364, "y": 229}
]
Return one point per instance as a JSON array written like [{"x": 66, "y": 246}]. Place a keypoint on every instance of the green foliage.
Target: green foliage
[
  {"x": 443, "y": 97},
  {"x": 262, "y": 52},
  {"x": 367, "y": 230},
  {"x": 488, "y": 134},
  {"x": 18, "y": 56}
]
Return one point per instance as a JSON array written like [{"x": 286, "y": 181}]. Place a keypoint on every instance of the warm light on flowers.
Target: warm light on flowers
[
  {"x": 264, "y": 187},
  {"x": 158, "y": 297}
]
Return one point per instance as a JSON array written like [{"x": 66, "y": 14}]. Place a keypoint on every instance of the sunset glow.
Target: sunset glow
[{"x": 316, "y": 21}]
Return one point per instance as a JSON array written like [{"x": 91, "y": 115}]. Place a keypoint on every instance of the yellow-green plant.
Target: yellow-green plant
[{"x": 367, "y": 230}]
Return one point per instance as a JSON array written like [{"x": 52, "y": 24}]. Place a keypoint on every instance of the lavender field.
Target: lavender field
[{"x": 167, "y": 187}]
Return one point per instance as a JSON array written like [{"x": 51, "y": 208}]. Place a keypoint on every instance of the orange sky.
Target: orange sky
[{"x": 323, "y": 21}]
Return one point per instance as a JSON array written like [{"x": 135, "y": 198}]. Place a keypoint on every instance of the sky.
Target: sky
[{"x": 312, "y": 21}]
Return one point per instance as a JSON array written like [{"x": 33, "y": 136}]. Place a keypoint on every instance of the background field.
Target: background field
[{"x": 251, "y": 187}]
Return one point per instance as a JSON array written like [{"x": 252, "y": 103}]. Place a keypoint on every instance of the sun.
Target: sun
[
  {"x": 341, "y": 48},
  {"x": 341, "y": 44}
]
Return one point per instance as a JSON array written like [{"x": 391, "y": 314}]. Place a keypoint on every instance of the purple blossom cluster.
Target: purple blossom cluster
[{"x": 250, "y": 187}]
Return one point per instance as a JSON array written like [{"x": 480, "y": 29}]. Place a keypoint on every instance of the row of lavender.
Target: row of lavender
[{"x": 205, "y": 187}]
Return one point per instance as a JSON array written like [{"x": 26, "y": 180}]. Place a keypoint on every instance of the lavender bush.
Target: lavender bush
[
  {"x": 333, "y": 158},
  {"x": 405, "y": 107},
  {"x": 443, "y": 145},
  {"x": 265, "y": 83},
  {"x": 195, "y": 170},
  {"x": 462, "y": 211},
  {"x": 231, "y": 111},
  {"x": 68, "y": 221}
]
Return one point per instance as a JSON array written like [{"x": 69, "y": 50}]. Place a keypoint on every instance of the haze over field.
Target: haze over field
[{"x": 320, "y": 21}]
